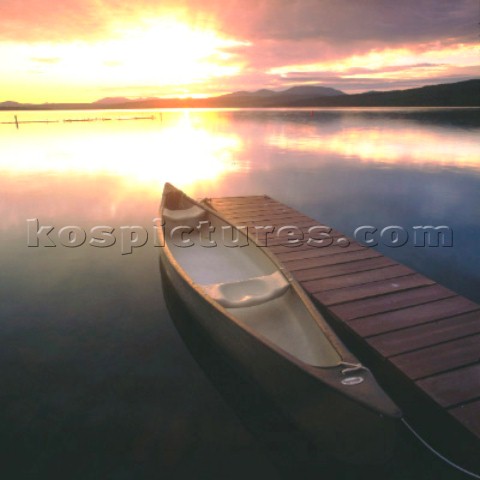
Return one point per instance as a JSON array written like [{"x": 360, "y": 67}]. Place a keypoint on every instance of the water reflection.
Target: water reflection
[
  {"x": 174, "y": 147},
  {"x": 89, "y": 351},
  {"x": 280, "y": 441},
  {"x": 74, "y": 199},
  {"x": 188, "y": 147},
  {"x": 346, "y": 168},
  {"x": 396, "y": 143}
]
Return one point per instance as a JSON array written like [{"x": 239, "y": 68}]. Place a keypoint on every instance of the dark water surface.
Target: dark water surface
[{"x": 97, "y": 379}]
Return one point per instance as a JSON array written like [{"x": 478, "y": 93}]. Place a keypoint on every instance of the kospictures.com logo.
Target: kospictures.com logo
[{"x": 204, "y": 234}]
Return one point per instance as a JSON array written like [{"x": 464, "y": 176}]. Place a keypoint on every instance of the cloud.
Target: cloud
[
  {"x": 42, "y": 20},
  {"x": 333, "y": 21},
  {"x": 284, "y": 41},
  {"x": 356, "y": 71}
]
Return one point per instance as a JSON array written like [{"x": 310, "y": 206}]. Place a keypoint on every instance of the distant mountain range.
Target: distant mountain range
[
  {"x": 299, "y": 91},
  {"x": 120, "y": 100},
  {"x": 12, "y": 104},
  {"x": 460, "y": 94}
]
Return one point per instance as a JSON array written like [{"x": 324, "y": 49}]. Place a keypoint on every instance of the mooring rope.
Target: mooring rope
[{"x": 438, "y": 454}]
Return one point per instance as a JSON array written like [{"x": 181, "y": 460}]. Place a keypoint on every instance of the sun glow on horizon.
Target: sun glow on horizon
[{"x": 164, "y": 55}]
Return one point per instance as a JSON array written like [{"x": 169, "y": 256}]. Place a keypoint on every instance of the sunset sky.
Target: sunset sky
[{"x": 83, "y": 50}]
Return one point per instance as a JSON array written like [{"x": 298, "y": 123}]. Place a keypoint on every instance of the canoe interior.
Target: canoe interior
[
  {"x": 245, "y": 273},
  {"x": 287, "y": 323},
  {"x": 220, "y": 264}
]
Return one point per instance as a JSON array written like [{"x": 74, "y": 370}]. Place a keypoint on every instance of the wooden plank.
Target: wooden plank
[
  {"x": 374, "y": 289},
  {"x": 250, "y": 205},
  {"x": 286, "y": 245},
  {"x": 420, "y": 336},
  {"x": 303, "y": 225},
  {"x": 469, "y": 415},
  {"x": 279, "y": 219},
  {"x": 248, "y": 209},
  {"x": 260, "y": 214},
  {"x": 387, "y": 303},
  {"x": 254, "y": 200},
  {"x": 229, "y": 205},
  {"x": 270, "y": 219},
  {"x": 277, "y": 224},
  {"x": 455, "y": 387},
  {"x": 290, "y": 243},
  {"x": 439, "y": 307},
  {"x": 309, "y": 228},
  {"x": 227, "y": 209},
  {"x": 446, "y": 356},
  {"x": 315, "y": 229},
  {"x": 318, "y": 252},
  {"x": 339, "y": 258},
  {"x": 281, "y": 245},
  {"x": 358, "y": 278},
  {"x": 270, "y": 213},
  {"x": 266, "y": 215},
  {"x": 241, "y": 198},
  {"x": 344, "y": 268},
  {"x": 278, "y": 241}
]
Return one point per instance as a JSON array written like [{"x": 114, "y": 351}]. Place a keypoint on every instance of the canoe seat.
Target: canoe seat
[
  {"x": 188, "y": 214},
  {"x": 250, "y": 292}
]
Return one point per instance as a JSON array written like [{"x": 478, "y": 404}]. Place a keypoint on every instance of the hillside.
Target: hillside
[{"x": 460, "y": 94}]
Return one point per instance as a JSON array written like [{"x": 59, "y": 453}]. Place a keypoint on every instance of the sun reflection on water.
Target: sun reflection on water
[
  {"x": 104, "y": 169},
  {"x": 177, "y": 149}
]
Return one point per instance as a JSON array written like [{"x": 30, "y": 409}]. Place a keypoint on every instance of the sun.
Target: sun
[{"x": 169, "y": 52}]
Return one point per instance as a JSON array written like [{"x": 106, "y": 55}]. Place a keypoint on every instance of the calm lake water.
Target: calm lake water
[{"x": 97, "y": 379}]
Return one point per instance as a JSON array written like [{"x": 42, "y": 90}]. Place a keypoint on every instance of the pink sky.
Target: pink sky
[{"x": 78, "y": 50}]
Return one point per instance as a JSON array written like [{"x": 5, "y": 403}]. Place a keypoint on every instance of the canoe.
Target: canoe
[{"x": 264, "y": 322}]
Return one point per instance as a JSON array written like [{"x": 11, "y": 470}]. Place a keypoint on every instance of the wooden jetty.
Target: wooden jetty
[{"x": 421, "y": 339}]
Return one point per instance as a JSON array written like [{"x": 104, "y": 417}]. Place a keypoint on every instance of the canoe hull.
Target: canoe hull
[{"x": 337, "y": 424}]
